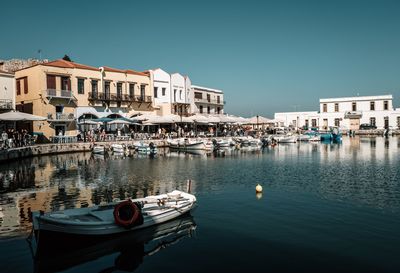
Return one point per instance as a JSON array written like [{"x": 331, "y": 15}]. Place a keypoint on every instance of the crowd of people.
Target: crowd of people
[{"x": 12, "y": 138}]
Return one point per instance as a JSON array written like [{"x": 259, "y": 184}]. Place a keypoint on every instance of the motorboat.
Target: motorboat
[
  {"x": 99, "y": 149},
  {"x": 130, "y": 248},
  {"x": 117, "y": 148},
  {"x": 287, "y": 139},
  {"x": 186, "y": 144},
  {"x": 144, "y": 148},
  {"x": 115, "y": 217}
]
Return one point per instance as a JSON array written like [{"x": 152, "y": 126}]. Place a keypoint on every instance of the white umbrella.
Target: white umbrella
[
  {"x": 119, "y": 121},
  {"x": 88, "y": 122},
  {"x": 20, "y": 116},
  {"x": 259, "y": 120}
]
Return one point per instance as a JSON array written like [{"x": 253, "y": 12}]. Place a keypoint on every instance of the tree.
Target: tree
[{"x": 66, "y": 58}]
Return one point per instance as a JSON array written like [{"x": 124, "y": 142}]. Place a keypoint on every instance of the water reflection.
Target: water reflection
[
  {"x": 131, "y": 248},
  {"x": 363, "y": 170}
]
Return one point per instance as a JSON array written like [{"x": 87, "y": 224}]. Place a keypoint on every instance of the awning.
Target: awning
[{"x": 20, "y": 116}]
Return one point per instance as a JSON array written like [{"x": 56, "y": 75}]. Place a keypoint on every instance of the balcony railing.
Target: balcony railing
[
  {"x": 118, "y": 97},
  {"x": 209, "y": 101},
  {"x": 6, "y": 104},
  {"x": 60, "y": 117},
  {"x": 63, "y": 94}
]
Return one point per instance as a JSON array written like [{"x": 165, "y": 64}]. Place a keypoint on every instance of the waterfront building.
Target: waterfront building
[
  {"x": 65, "y": 91},
  {"x": 179, "y": 98},
  {"x": 207, "y": 100},
  {"x": 7, "y": 91},
  {"x": 347, "y": 113}
]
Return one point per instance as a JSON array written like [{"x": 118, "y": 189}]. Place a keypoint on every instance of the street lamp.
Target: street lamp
[
  {"x": 257, "y": 123},
  {"x": 84, "y": 127}
]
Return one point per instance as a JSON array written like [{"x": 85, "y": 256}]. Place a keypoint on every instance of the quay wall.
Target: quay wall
[{"x": 59, "y": 148}]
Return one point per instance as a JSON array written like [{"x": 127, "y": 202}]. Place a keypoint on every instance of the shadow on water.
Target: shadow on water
[{"x": 59, "y": 254}]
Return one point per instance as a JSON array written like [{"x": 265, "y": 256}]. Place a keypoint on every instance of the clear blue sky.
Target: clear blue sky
[{"x": 267, "y": 56}]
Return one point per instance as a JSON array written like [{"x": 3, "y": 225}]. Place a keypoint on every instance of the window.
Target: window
[
  {"x": 18, "y": 87},
  {"x": 337, "y": 122},
  {"x": 65, "y": 83},
  {"x": 198, "y": 95},
  {"x": 180, "y": 94},
  {"x": 208, "y": 109},
  {"x": 372, "y": 121},
  {"x": 218, "y": 99},
  {"x": 336, "y": 107},
  {"x": 81, "y": 86},
  {"x": 313, "y": 123},
  {"x": 51, "y": 82},
  {"x": 119, "y": 90},
  {"x": 163, "y": 91},
  {"x": 201, "y": 108},
  {"x": 385, "y": 105},
  {"x": 208, "y": 97},
  {"x": 398, "y": 122},
  {"x": 26, "y": 85},
  {"x": 325, "y": 123},
  {"x": 372, "y": 106},
  {"x": 354, "y": 106},
  {"x": 94, "y": 89},
  {"x": 324, "y": 108},
  {"x": 174, "y": 94},
  {"x": 155, "y": 92},
  {"x": 306, "y": 123},
  {"x": 142, "y": 92},
  {"x": 386, "y": 122},
  {"x": 218, "y": 110},
  {"x": 131, "y": 90},
  {"x": 107, "y": 90}
]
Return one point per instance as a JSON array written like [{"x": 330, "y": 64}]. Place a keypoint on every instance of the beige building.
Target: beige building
[
  {"x": 64, "y": 91},
  {"x": 207, "y": 100}
]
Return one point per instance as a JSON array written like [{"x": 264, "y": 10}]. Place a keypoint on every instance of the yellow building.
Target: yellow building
[{"x": 64, "y": 91}]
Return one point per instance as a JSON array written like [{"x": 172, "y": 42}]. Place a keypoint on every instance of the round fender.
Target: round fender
[{"x": 126, "y": 213}]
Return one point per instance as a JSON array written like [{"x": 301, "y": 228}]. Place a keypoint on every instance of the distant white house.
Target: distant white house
[
  {"x": 207, "y": 100},
  {"x": 7, "y": 91},
  {"x": 347, "y": 113},
  {"x": 179, "y": 98}
]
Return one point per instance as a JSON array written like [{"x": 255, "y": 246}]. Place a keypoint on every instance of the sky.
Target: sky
[{"x": 267, "y": 56}]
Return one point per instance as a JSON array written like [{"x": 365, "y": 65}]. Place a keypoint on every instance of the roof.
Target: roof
[
  {"x": 5, "y": 72},
  {"x": 206, "y": 89},
  {"x": 66, "y": 64},
  {"x": 358, "y": 98}
]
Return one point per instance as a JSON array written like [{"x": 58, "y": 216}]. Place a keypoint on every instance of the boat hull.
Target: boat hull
[{"x": 99, "y": 220}]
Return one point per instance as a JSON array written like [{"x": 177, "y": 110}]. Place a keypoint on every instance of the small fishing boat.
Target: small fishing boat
[
  {"x": 114, "y": 218},
  {"x": 117, "y": 148},
  {"x": 99, "y": 149},
  {"x": 144, "y": 148},
  {"x": 186, "y": 145}
]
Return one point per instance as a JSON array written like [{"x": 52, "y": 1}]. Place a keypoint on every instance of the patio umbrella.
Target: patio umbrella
[
  {"x": 120, "y": 121},
  {"x": 88, "y": 122},
  {"x": 19, "y": 116}
]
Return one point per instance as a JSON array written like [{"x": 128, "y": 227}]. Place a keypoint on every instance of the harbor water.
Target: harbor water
[{"x": 325, "y": 207}]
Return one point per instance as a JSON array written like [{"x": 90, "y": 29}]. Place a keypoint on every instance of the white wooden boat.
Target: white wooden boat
[
  {"x": 145, "y": 148},
  {"x": 117, "y": 148},
  {"x": 97, "y": 149},
  {"x": 287, "y": 139},
  {"x": 113, "y": 218},
  {"x": 186, "y": 144}
]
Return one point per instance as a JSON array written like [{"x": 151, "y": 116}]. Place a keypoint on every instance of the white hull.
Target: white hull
[
  {"x": 99, "y": 220},
  {"x": 185, "y": 146},
  {"x": 98, "y": 150}
]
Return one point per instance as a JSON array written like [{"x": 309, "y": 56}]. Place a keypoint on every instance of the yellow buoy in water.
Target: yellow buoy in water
[{"x": 258, "y": 188}]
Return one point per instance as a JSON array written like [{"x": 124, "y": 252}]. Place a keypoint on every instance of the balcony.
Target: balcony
[
  {"x": 93, "y": 96},
  {"x": 60, "y": 117},
  {"x": 6, "y": 104},
  {"x": 209, "y": 101},
  {"x": 62, "y": 94}
]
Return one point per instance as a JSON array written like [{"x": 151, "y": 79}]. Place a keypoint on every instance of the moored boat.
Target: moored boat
[
  {"x": 98, "y": 149},
  {"x": 186, "y": 145},
  {"x": 113, "y": 218}
]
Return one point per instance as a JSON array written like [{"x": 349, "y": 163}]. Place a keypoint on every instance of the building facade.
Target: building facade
[
  {"x": 207, "y": 100},
  {"x": 347, "y": 113},
  {"x": 7, "y": 91},
  {"x": 64, "y": 92}
]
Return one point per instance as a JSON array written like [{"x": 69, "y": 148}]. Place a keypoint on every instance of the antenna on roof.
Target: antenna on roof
[{"x": 40, "y": 54}]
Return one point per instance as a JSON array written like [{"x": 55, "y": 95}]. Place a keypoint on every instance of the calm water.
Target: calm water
[{"x": 325, "y": 207}]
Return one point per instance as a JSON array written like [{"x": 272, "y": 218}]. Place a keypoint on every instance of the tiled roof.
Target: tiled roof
[
  {"x": 66, "y": 64},
  {"x": 5, "y": 72}
]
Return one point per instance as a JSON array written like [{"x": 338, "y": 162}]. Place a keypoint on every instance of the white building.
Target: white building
[
  {"x": 7, "y": 91},
  {"x": 162, "y": 90},
  {"x": 347, "y": 113},
  {"x": 207, "y": 100},
  {"x": 179, "y": 99}
]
